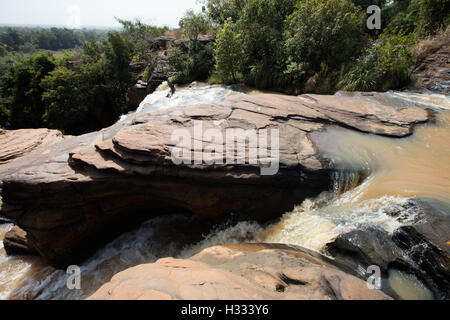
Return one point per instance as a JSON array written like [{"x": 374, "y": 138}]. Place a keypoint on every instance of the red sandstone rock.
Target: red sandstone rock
[{"x": 245, "y": 272}]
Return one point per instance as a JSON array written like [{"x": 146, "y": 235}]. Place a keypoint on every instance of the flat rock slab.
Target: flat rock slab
[{"x": 75, "y": 195}]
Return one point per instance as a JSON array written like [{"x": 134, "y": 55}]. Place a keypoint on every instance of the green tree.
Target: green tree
[
  {"x": 193, "y": 25},
  {"x": 386, "y": 64},
  {"x": 22, "y": 93},
  {"x": 140, "y": 37},
  {"x": 434, "y": 15},
  {"x": 261, "y": 26},
  {"x": 220, "y": 10},
  {"x": 3, "y": 50},
  {"x": 93, "y": 94},
  {"x": 228, "y": 50},
  {"x": 66, "y": 101},
  {"x": 12, "y": 38},
  {"x": 321, "y": 35}
]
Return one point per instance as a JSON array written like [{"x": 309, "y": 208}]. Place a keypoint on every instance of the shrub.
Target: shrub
[
  {"x": 228, "y": 51},
  {"x": 387, "y": 64},
  {"x": 197, "y": 65},
  {"x": 318, "y": 33}
]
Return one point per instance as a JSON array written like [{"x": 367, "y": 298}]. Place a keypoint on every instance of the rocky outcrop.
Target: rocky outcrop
[
  {"x": 421, "y": 248},
  {"x": 239, "y": 272},
  {"x": 433, "y": 71},
  {"x": 17, "y": 143},
  {"x": 158, "y": 74},
  {"x": 82, "y": 192}
]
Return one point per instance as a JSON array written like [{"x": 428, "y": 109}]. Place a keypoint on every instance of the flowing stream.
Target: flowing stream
[{"x": 396, "y": 170}]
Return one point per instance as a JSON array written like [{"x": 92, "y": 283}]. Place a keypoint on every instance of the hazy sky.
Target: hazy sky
[{"x": 93, "y": 12}]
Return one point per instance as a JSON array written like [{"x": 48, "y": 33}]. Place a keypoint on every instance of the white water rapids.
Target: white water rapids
[{"x": 315, "y": 222}]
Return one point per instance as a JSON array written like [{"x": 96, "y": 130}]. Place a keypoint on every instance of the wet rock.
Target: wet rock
[
  {"x": 16, "y": 243},
  {"x": 4, "y": 221},
  {"x": 83, "y": 191},
  {"x": 371, "y": 246},
  {"x": 427, "y": 244},
  {"x": 420, "y": 248},
  {"x": 242, "y": 272},
  {"x": 137, "y": 94}
]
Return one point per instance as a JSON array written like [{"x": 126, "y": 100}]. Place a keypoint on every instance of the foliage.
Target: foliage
[
  {"x": 434, "y": 15},
  {"x": 228, "y": 50},
  {"x": 199, "y": 62},
  {"x": 33, "y": 39},
  {"x": 21, "y": 92},
  {"x": 261, "y": 26},
  {"x": 196, "y": 65},
  {"x": 193, "y": 25},
  {"x": 93, "y": 95},
  {"x": 386, "y": 64},
  {"x": 321, "y": 34},
  {"x": 74, "y": 94},
  {"x": 139, "y": 37},
  {"x": 220, "y": 11}
]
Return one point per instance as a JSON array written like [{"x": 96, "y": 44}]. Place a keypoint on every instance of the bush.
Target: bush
[
  {"x": 387, "y": 64},
  {"x": 321, "y": 34},
  {"x": 261, "y": 26},
  {"x": 220, "y": 11},
  {"x": 193, "y": 25},
  {"x": 196, "y": 65},
  {"x": 21, "y": 92}
]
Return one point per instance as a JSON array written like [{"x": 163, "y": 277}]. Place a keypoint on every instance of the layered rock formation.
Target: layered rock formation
[
  {"x": 433, "y": 71},
  {"x": 243, "y": 272},
  {"x": 18, "y": 143},
  {"x": 75, "y": 195}
]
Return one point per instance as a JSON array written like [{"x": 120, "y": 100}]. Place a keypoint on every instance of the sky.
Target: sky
[{"x": 93, "y": 13}]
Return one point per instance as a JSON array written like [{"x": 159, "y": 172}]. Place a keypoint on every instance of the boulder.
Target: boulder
[
  {"x": 239, "y": 272},
  {"x": 16, "y": 243},
  {"x": 420, "y": 248},
  {"x": 83, "y": 191}
]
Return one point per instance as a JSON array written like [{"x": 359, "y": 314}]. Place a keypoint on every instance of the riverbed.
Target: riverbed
[{"x": 374, "y": 174}]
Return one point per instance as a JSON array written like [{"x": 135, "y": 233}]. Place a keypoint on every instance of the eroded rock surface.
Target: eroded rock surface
[
  {"x": 17, "y": 143},
  {"x": 78, "y": 194},
  {"x": 239, "y": 272}
]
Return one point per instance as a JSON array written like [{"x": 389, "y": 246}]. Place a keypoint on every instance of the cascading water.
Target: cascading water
[{"x": 374, "y": 175}]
